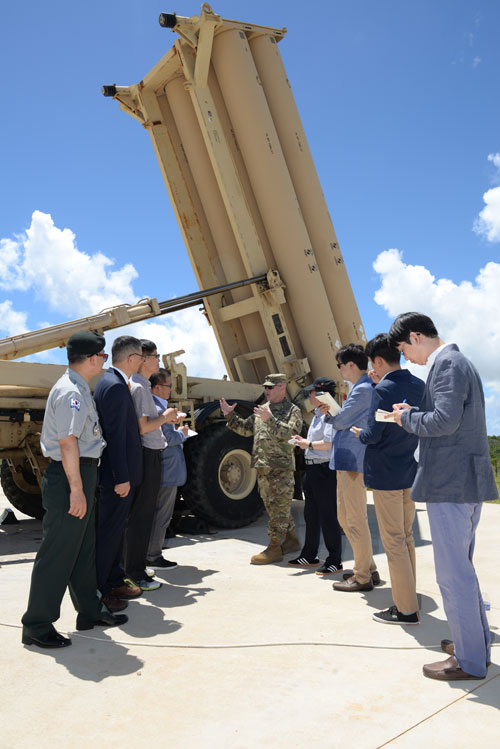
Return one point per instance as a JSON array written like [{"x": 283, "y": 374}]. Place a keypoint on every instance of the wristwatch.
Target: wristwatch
[{"x": 311, "y": 445}]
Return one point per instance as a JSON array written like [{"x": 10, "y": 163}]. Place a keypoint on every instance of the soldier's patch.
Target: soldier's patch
[{"x": 74, "y": 403}]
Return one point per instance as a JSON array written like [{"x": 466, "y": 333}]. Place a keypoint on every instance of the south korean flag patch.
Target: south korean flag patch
[{"x": 74, "y": 403}]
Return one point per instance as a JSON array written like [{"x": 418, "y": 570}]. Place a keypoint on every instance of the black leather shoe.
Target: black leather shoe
[
  {"x": 50, "y": 640},
  {"x": 105, "y": 620}
]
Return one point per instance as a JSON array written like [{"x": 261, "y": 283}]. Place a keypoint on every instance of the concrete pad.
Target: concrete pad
[{"x": 227, "y": 653}]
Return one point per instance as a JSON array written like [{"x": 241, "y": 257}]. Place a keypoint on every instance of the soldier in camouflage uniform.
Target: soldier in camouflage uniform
[{"x": 272, "y": 425}]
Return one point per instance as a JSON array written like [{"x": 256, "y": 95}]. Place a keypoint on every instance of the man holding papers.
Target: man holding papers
[
  {"x": 454, "y": 477},
  {"x": 389, "y": 469},
  {"x": 347, "y": 460}
]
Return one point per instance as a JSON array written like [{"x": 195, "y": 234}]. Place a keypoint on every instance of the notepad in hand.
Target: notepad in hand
[
  {"x": 380, "y": 415},
  {"x": 333, "y": 406}
]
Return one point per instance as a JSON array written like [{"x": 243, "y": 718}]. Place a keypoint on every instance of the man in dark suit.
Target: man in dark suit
[
  {"x": 454, "y": 476},
  {"x": 389, "y": 469},
  {"x": 121, "y": 468}
]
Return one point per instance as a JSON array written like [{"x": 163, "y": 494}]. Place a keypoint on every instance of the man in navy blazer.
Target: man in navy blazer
[
  {"x": 389, "y": 469},
  {"x": 121, "y": 468},
  {"x": 454, "y": 477}
]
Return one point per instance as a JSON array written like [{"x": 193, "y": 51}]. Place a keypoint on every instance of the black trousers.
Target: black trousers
[
  {"x": 141, "y": 515},
  {"x": 112, "y": 513},
  {"x": 320, "y": 513},
  {"x": 66, "y": 557}
]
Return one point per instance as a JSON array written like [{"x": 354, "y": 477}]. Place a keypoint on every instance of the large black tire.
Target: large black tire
[
  {"x": 29, "y": 504},
  {"x": 221, "y": 485}
]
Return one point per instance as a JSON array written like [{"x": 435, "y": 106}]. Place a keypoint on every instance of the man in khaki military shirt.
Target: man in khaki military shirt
[{"x": 272, "y": 425}]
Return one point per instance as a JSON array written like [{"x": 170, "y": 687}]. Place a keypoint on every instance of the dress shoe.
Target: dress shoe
[
  {"x": 351, "y": 584},
  {"x": 50, "y": 640},
  {"x": 448, "y": 647},
  {"x": 447, "y": 670},
  {"x": 375, "y": 577},
  {"x": 128, "y": 590},
  {"x": 113, "y": 603},
  {"x": 105, "y": 620}
]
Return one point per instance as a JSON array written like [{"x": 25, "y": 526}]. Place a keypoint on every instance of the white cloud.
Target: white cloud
[
  {"x": 476, "y": 61},
  {"x": 464, "y": 313},
  {"x": 495, "y": 160},
  {"x": 47, "y": 260},
  {"x": 487, "y": 223},
  {"x": 187, "y": 329},
  {"x": 12, "y": 322}
]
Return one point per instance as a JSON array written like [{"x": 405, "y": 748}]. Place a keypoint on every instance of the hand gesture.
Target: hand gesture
[
  {"x": 184, "y": 429},
  {"x": 356, "y": 430},
  {"x": 225, "y": 407},
  {"x": 373, "y": 376},
  {"x": 262, "y": 412},
  {"x": 324, "y": 408},
  {"x": 301, "y": 441}
]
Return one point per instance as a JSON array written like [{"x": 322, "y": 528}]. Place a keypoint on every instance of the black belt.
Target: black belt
[
  {"x": 83, "y": 461},
  {"x": 316, "y": 462}
]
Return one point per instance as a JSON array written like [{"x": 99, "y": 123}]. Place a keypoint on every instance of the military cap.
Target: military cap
[
  {"x": 323, "y": 384},
  {"x": 274, "y": 379},
  {"x": 85, "y": 343}
]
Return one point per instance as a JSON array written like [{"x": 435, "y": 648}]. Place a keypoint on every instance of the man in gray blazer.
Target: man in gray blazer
[{"x": 454, "y": 477}]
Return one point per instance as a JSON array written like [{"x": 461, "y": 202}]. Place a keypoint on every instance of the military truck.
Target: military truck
[{"x": 241, "y": 180}]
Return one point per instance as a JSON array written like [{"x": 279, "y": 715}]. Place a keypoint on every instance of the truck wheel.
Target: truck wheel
[
  {"x": 28, "y": 504},
  {"x": 221, "y": 485}
]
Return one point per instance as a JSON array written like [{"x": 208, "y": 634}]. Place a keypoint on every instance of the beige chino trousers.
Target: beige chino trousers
[
  {"x": 351, "y": 513},
  {"x": 395, "y": 513}
]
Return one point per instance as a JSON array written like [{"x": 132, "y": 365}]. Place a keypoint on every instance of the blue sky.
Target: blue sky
[{"x": 401, "y": 108}]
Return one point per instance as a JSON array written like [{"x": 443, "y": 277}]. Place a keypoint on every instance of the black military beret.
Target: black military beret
[{"x": 85, "y": 343}]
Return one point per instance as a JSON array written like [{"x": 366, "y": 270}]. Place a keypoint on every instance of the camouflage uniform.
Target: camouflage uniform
[{"x": 274, "y": 460}]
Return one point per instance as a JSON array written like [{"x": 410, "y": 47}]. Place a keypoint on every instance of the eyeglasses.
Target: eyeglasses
[
  {"x": 165, "y": 385},
  {"x": 141, "y": 355},
  {"x": 152, "y": 356},
  {"x": 103, "y": 356},
  {"x": 269, "y": 387}
]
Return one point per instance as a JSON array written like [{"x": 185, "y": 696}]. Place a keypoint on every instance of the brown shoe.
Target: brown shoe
[
  {"x": 447, "y": 670},
  {"x": 351, "y": 585},
  {"x": 448, "y": 647},
  {"x": 375, "y": 577},
  {"x": 113, "y": 603},
  {"x": 127, "y": 590}
]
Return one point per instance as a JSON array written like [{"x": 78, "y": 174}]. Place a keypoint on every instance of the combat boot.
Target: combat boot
[
  {"x": 272, "y": 554},
  {"x": 291, "y": 542}
]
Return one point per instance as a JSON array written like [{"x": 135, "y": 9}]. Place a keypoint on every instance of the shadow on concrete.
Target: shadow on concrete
[
  {"x": 106, "y": 658},
  {"x": 171, "y": 595},
  {"x": 184, "y": 575},
  {"x": 23, "y": 538},
  {"x": 148, "y": 621}
]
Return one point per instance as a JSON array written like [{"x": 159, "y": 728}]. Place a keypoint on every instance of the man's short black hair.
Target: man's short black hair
[
  {"x": 352, "y": 352},
  {"x": 123, "y": 347},
  {"x": 160, "y": 377},
  {"x": 411, "y": 322},
  {"x": 381, "y": 346},
  {"x": 148, "y": 347}
]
